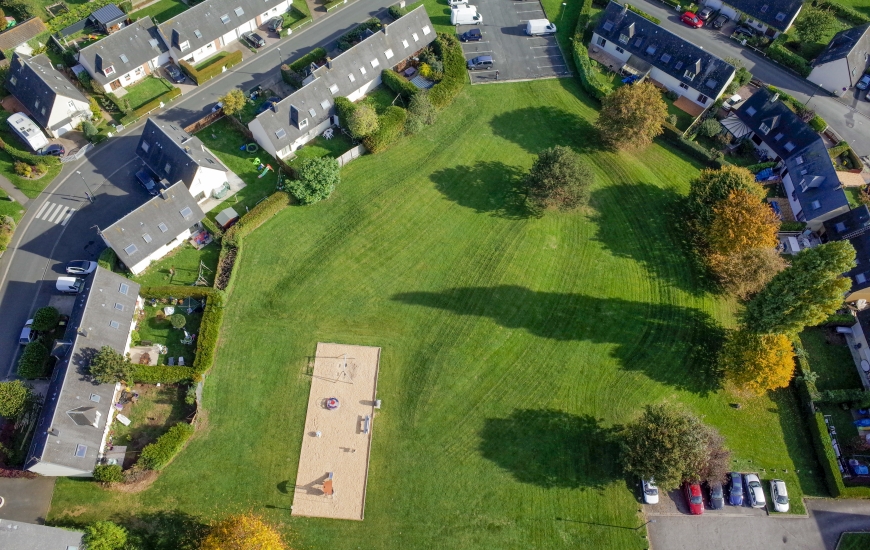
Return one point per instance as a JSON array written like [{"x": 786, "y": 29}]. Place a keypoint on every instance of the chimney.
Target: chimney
[
  {"x": 329, "y": 63},
  {"x": 294, "y": 116},
  {"x": 164, "y": 192},
  {"x": 275, "y": 107},
  {"x": 385, "y": 29},
  {"x": 774, "y": 98},
  {"x": 625, "y": 9}
]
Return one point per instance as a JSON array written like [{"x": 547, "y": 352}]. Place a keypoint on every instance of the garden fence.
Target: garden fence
[{"x": 351, "y": 154}]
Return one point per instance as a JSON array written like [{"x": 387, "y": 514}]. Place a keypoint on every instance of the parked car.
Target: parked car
[
  {"x": 754, "y": 491},
  {"x": 456, "y": 3},
  {"x": 650, "y": 491},
  {"x": 779, "y": 494},
  {"x": 471, "y": 35},
  {"x": 717, "y": 496},
  {"x": 735, "y": 493},
  {"x": 27, "y": 334},
  {"x": 864, "y": 83},
  {"x": 275, "y": 24},
  {"x": 81, "y": 267},
  {"x": 254, "y": 39},
  {"x": 480, "y": 62},
  {"x": 720, "y": 21},
  {"x": 706, "y": 13},
  {"x": 745, "y": 32},
  {"x": 174, "y": 73},
  {"x": 147, "y": 181},
  {"x": 692, "y": 20},
  {"x": 694, "y": 498},
  {"x": 268, "y": 104},
  {"x": 69, "y": 285},
  {"x": 55, "y": 150},
  {"x": 731, "y": 102}
]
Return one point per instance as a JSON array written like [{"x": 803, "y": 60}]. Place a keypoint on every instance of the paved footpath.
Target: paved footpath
[{"x": 13, "y": 191}]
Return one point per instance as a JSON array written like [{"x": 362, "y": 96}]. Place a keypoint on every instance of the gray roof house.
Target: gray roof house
[
  {"x": 174, "y": 155},
  {"x": 16, "y": 535},
  {"x": 152, "y": 230},
  {"x": 109, "y": 18},
  {"x": 843, "y": 62},
  {"x": 125, "y": 57},
  {"x": 206, "y": 28},
  {"x": 649, "y": 50},
  {"x": 49, "y": 97},
  {"x": 70, "y": 436},
  {"x": 304, "y": 114},
  {"x": 770, "y": 17},
  {"x": 854, "y": 226}
]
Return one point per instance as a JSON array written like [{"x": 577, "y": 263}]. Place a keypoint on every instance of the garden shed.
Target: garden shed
[{"x": 226, "y": 218}]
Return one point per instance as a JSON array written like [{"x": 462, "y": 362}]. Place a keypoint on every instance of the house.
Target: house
[
  {"x": 646, "y": 49},
  {"x": 843, "y": 62},
  {"x": 854, "y": 226},
  {"x": 306, "y": 113},
  {"x": 155, "y": 228},
  {"x": 16, "y": 535},
  {"x": 125, "y": 57},
  {"x": 18, "y": 35},
  {"x": 769, "y": 17},
  {"x": 49, "y": 97},
  {"x": 812, "y": 186},
  {"x": 108, "y": 19},
  {"x": 70, "y": 435},
  {"x": 207, "y": 28}
]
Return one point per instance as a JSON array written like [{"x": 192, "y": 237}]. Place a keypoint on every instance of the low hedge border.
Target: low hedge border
[
  {"x": 643, "y": 14},
  {"x": 782, "y": 55},
  {"x": 586, "y": 72},
  {"x": 157, "y": 455},
  {"x": 207, "y": 73},
  {"x": 258, "y": 215},
  {"x": 163, "y": 374},
  {"x": 317, "y": 54},
  {"x": 399, "y": 84},
  {"x": 150, "y": 106},
  {"x": 455, "y": 74},
  {"x": 347, "y": 40},
  {"x": 673, "y": 135}
]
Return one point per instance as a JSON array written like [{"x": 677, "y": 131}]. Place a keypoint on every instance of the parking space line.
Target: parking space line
[
  {"x": 550, "y": 66},
  {"x": 531, "y": 11},
  {"x": 547, "y": 56},
  {"x": 545, "y": 46},
  {"x": 481, "y": 72}
]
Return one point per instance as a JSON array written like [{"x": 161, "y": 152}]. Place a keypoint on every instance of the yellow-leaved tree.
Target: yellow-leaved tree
[
  {"x": 741, "y": 222},
  {"x": 757, "y": 362},
  {"x": 243, "y": 532}
]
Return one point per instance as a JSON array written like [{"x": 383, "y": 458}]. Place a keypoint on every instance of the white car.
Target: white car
[
  {"x": 81, "y": 267},
  {"x": 754, "y": 491},
  {"x": 779, "y": 494},
  {"x": 650, "y": 491},
  {"x": 27, "y": 333},
  {"x": 69, "y": 285}
]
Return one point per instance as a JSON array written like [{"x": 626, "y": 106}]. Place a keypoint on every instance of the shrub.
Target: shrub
[
  {"x": 345, "y": 108},
  {"x": 643, "y": 14},
  {"x": 32, "y": 362},
  {"x": 45, "y": 319},
  {"x": 190, "y": 395},
  {"x": 421, "y": 113},
  {"x": 108, "y": 473},
  {"x": 157, "y": 455},
  {"x": 209, "y": 330},
  {"x": 455, "y": 74},
  {"x": 399, "y": 84},
  {"x": 363, "y": 121},
  {"x": 710, "y": 127},
  {"x": 558, "y": 179},
  {"x": 391, "y": 124},
  {"x": 135, "y": 338},
  {"x": 210, "y": 71},
  {"x": 318, "y": 178},
  {"x": 89, "y": 129},
  {"x": 178, "y": 320},
  {"x": 756, "y": 168},
  {"x": 110, "y": 366},
  {"x": 256, "y": 217},
  {"x": 161, "y": 374},
  {"x": 107, "y": 259},
  {"x": 23, "y": 169},
  {"x": 843, "y": 12},
  {"x": 588, "y": 74},
  {"x": 105, "y": 535},
  {"x": 14, "y": 396},
  {"x": 779, "y": 53},
  {"x": 95, "y": 107},
  {"x": 396, "y": 12},
  {"x": 818, "y": 124}
]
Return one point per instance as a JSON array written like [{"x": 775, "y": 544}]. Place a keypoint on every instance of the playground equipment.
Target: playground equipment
[
  {"x": 265, "y": 171},
  {"x": 332, "y": 403}
]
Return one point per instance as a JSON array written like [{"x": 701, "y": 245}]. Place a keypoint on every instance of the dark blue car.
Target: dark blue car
[{"x": 735, "y": 493}]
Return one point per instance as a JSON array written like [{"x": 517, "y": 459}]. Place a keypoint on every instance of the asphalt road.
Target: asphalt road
[{"x": 40, "y": 247}]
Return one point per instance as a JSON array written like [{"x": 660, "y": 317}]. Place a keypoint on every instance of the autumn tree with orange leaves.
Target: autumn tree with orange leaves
[{"x": 243, "y": 532}]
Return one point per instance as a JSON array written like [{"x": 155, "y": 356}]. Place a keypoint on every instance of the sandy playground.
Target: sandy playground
[{"x": 334, "y": 462}]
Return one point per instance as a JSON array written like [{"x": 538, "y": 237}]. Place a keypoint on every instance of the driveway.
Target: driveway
[
  {"x": 26, "y": 500},
  {"x": 827, "y": 520}
]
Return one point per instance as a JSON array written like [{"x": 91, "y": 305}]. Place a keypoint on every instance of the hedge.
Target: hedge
[
  {"x": 391, "y": 125},
  {"x": 587, "y": 73},
  {"x": 779, "y": 53},
  {"x": 150, "y": 106},
  {"x": 756, "y": 168},
  {"x": 858, "y": 397},
  {"x": 317, "y": 54},
  {"x": 107, "y": 259},
  {"x": 838, "y": 149},
  {"x": 399, "y": 84},
  {"x": 347, "y": 40},
  {"x": 32, "y": 362},
  {"x": 157, "y": 455},
  {"x": 162, "y": 374},
  {"x": 211, "y": 71},
  {"x": 818, "y": 124},
  {"x": 396, "y": 12},
  {"x": 643, "y": 14},
  {"x": 344, "y": 107},
  {"x": 843, "y": 12},
  {"x": 455, "y": 73},
  {"x": 108, "y": 473},
  {"x": 673, "y": 135},
  {"x": 258, "y": 215}
]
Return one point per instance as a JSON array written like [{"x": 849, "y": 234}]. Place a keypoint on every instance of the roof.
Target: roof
[
  {"x": 37, "y": 84},
  {"x": 204, "y": 22},
  {"x": 664, "y": 50},
  {"x": 787, "y": 132},
  {"x": 173, "y": 154},
  {"x": 843, "y": 43},
  {"x": 21, "y": 33},
  {"x": 16, "y": 535},
  {"x": 854, "y": 226},
  {"x": 136, "y": 43},
  {"x": 315, "y": 101},
  {"x": 108, "y": 14},
  {"x": 773, "y": 13},
  {"x": 154, "y": 224},
  {"x": 102, "y": 316}
]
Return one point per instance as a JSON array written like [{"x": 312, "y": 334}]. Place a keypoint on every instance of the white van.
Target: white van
[
  {"x": 465, "y": 15},
  {"x": 69, "y": 285},
  {"x": 28, "y": 131},
  {"x": 538, "y": 27},
  {"x": 457, "y": 3}
]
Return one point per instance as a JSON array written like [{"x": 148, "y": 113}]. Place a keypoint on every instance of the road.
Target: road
[
  {"x": 41, "y": 247},
  {"x": 848, "y": 116}
]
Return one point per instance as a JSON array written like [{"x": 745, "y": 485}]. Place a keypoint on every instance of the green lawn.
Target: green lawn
[
  {"x": 511, "y": 344},
  {"x": 156, "y": 409},
  {"x": 10, "y": 208},
  {"x": 159, "y": 330},
  {"x": 320, "y": 147},
  {"x": 210, "y": 60},
  {"x": 185, "y": 260},
  {"x": 684, "y": 119},
  {"x": 380, "y": 98},
  {"x": 148, "y": 89},
  {"x": 832, "y": 362},
  {"x": 854, "y": 541},
  {"x": 162, "y": 11}
]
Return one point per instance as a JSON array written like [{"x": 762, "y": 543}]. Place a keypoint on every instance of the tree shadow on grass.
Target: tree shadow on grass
[
  {"x": 536, "y": 128},
  {"x": 488, "y": 186},
  {"x": 169, "y": 530},
  {"x": 671, "y": 344},
  {"x": 551, "y": 448}
]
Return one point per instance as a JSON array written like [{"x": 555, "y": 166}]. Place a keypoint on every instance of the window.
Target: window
[
  {"x": 678, "y": 65},
  {"x": 95, "y": 398},
  {"x": 145, "y": 146},
  {"x": 623, "y": 38},
  {"x": 281, "y": 133},
  {"x": 186, "y": 212},
  {"x": 131, "y": 249},
  {"x": 119, "y": 306},
  {"x": 114, "y": 325},
  {"x": 197, "y": 33},
  {"x": 751, "y": 111},
  {"x": 351, "y": 77},
  {"x": 702, "y": 99},
  {"x": 861, "y": 278},
  {"x": 124, "y": 58},
  {"x": 780, "y": 16},
  {"x": 601, "y": 42},
  {"x": 138, "y": 70},
  {"x": 127, "y": 77},
  {"x": 184, "y": 46},
  {"x": 362, "y": 70},
  {"x": 666, "y": 58},
  {"x": 651, "y": 50},
  {"x": 855, "y": 70},
  {"x": 124, "y": 289},
  {"x": 764, "y": 8},
  {"x": 778, "y": 136},
  {"x": 764, "y": 128},
  {"x": 426, "y": 29},
  {"x": 608, "y": 26},
  {"x": 684, "y": 86},
  {"x": 816, "y": 205},
  {"x": 167, "y": 167},
  {"x": 303, "y": 123},
  {"x": 840, "y": 227},
  {"x": 81, "y": 450},
  {"x": 404, "y": 43},
  {"x": 799, "y": 160},
  {"x": 162, "y": 227},
  {"x": 374, "y": 63},
  {"x": 789, "y": 146},
  {"x": 110, "y": 70},
  {"x": 388, "y": 54},
  {"x": 312, "y": 112},
  {"x": 620, "y": 50},
  {"x": 689, "y": 74},
  {"x": 36, "y": 104},
  {"x": 334, "y": 89},
  {"x": 146, "y": 237},
  {"x": 239, "y": 11},
  {"x": 416, "y": 38},
  {"x": 225, "y": 18}
]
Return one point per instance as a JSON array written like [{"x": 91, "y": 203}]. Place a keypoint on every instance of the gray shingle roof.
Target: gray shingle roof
[
  {"x": 854, "y": 226},
  {"x": 38, "y": 84},
  {"x": 138, "y": 43},
  {"x": 154, "y": 224},
  {"x": 102, "y": 316},
  {"x": 207, "y": 19},
  {"x": 665, "y": 50},
  {"x": 853, "y": 45},
  {"x": 173, "y": 154},
  {"x": 773, "y": 13},
  {"x": 108, "y": 14},
  {"x": 315, "y": 101},
  {"x": 16, "y": 535}
]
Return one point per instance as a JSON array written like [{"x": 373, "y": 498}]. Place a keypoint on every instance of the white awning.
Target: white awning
[{"x": 736, "y": 126}]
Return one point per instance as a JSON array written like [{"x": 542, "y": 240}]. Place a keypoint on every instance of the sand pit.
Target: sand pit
[{"x": 337, "y": 436}]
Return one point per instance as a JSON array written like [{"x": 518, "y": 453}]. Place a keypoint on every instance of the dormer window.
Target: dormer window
[
  {"x": 184, "y": 46},
  {"x": 110, "y": 70},
  {"x": 689, "y": 75},
  {"x": 374, "y": 63},
  {"x": 623, "y": 38},
  {"x": 303, "y": 123},
  {"x": 225, "y": 18},
  {"x": 764, "y": 128}
]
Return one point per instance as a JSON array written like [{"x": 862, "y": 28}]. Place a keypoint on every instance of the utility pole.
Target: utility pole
[{"x": 90, "y": 194}]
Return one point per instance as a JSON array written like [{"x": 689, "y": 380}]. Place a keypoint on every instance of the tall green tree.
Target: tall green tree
[
  {"x": 14, "y": 396},
  {"x": 805, "y": 293},
  {"x": 632, "y": 116},
  {"x": 110, "y": 366},
  {"x": 45, "y": 318},
  {"x": 559, "y": 179},
  {"x": 813, "y": 23}
]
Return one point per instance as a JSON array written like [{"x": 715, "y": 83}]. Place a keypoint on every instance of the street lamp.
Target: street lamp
[
  {"x": 648, "y": 522},
  {"x": 280, "y": 59},
  {"x": 564, "y": 5},
  {"x": 90, "y": 193}
]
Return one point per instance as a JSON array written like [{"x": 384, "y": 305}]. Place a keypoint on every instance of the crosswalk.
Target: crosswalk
[{"x": 55, "y": 213}]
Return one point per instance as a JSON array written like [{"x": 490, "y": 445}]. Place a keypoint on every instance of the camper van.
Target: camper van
[
  {"x": 28, "y": 131},
  {"x": 457, "y": 3},
  {"x": 465, "y": 15},
  {"x": 538, "y": 27}
]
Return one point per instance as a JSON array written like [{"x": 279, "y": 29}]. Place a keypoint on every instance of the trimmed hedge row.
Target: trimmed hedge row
[
  {"x": 818, "y": 124},
  {"x": 756, "y": 168},
  {"x": 391, "y": 126},
  {"x": 211, "y": 71},
  {"x": 643, "y": 14},
  {"x": 587, "y": 73},
  {"x": 258, "y": 215},
  {"x": 455, "y": 73},
  {"x": 24, "y": 156},
  {"x": 163, "y": 374},
  {"x": 782, "y": 55},
  {"x": 399, "y": 84},
  {"x": 31, "y": 364},
  {"x": 347, "y": 40},
  {"x": 317, "y": 54},
  {"x": 673, "y": 135},
  {"x": 150, "y": 106},
  {"x": 157, "y": 455},
  {"x": 844, "y": 12}
]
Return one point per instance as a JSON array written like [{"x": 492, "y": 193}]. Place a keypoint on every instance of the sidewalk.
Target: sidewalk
[{"x": 13, "y": 191}]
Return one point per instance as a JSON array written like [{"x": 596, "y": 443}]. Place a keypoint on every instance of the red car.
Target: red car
[
  {"x": 694, "y": 498},
  {"x": 692, "y": 20}
]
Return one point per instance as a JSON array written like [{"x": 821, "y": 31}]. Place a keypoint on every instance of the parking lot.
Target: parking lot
[
  {"x": 673, "y": 503},
  {"x": 515, "y": 55}
]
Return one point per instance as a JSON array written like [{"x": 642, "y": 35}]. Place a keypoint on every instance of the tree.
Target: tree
[
  {"x": 757, "y": 362},
  {"x": 233, "y": 102},
  {"x": 741, "y": 222},
  {"x": 710, "y": 127},
  {"x": 108, "y": 473},
  {"x": 745, "y": 273},
  {"x": 318, "y": 178},
  {"x": 95, "y": 109},
  {"x": 105, "y": 535},
  {"x": 89, "y": 129},
  {"x": 363, "y": 121},
  {"x": 718, "y": 458},
  {"x": 813, "y": 24},
  {"x": 110, "y": 366},
  {"x": 559, "y": 179},
  {"x": 632, "y": 116},
  {"x": 14, "y": 396},
  {"x": 32, "y": 362},
  {"x": 124, "y": 105},
  {"x": 178, "y": 320},
  {"x": 805, "y": 293},
  {"x": 243, "y": 532},
  {"x": 45, "y": 319},
  {"x": 713, "y": 186}
]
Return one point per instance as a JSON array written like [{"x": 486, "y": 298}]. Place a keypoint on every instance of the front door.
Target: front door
[{"x": 115, "y": 84}]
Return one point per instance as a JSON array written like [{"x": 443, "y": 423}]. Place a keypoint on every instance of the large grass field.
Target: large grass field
[{"x": 512, "y": 344}]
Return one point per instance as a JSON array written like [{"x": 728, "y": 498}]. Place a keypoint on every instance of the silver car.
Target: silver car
[
  {"x": 650, "y": 491},
  {"x": 27, "y": 333},
  {"x": 81, "y": 267},
  {"x": 779, "y": 494},
  {"x": 754, "y": 491}
]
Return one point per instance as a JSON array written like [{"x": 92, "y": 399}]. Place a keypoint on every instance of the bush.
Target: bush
[
  {"x": 32, "y": 362},
  {"x": 315, "y": 55},
  {"x": 818, "y": 124},
  {"x": 455, "y": 74},
  {"x": 135, "y": 338},
  {"x": 256, "y": 217},
  {"x": 792, "y": 226},
  {"x": 779, "y": 53},
  {"x": 157, "y": 455},
  {"x": 643, "y": 14},
  {"x": 710, "y": 127},
  {"x": 210, "y": 71},
  {"x": 399, "y": 84},
  {"x": 391, "y": 125},
  {"x": 161, "y": 374},
  {"x": 105, "y": 535},
  {"x": 45, "y": 319},
  {"x": 88, "y": 129},
  {"x": 190, "y": 395},
  {"x": 178, "y": 320},
  {"x": 107, "y": 259},
  {"x": 756, "y": 168},
  {"x": 396, "y": 12},
  {"x": 421, "y": 113},
  {"x": 108, "y": 473},
  {"x": 363, "y": 121},
  {"x": 348, "y": 39},
  {"x": 345, "y": 108},
  {"x": 14, "y": 397},
  {"x": 318, "y": 178},
  {"x": 838, "y": 149},
  {"x": 23, "y": 169}
]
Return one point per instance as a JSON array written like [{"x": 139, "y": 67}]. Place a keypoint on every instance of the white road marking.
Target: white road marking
[
  {"x": 55, "y": 213},
  {"x": 50, "y": 211},
  {"x": 531, "y": 11},
  {"x": 61, "y": 212},
  {"x": 41, "y": 208},
  {"x": 550, "y": 66},
  {"x": 68, "y": 216},
  {"x": 547, "y": 56}
]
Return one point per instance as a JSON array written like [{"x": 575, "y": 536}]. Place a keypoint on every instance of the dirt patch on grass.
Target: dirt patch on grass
[{"x": 137, "y": 482}]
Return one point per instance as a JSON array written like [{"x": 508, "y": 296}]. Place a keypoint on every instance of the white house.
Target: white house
[
  {"x": 49, "y": 97},
  {"x": 769, "y": 17},
  {"x": 210, "y": 26},
  {"x": 125, "y": 57},
  {"x": 306, "y": 113},
  {"x": 843, "y": 62},
  {"x": 647, "y": 49},
  {"x": 174, "y": 155},
  {"x": 70, "y": 436},
  {"x": 155, "y": 228}
]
